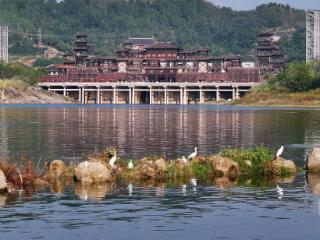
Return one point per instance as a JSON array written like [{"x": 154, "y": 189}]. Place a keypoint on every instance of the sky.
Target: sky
[{"x": 251, "y": 4}]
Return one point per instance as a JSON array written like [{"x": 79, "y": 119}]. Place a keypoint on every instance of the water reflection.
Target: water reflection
[
  {"x": 139, "y": 131},
  {"x": 2, "y": 200},
  {"x": 93, "y": 191},
  {"x": 313, "y": 181}
]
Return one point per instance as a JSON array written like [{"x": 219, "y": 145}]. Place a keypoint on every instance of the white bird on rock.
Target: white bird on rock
[
  {"x": 130, "y": 164},
  {"x": 184, "y": 160},
  {"x": 280, "y": 151},
  {"x": 113, "y": 159},
  {"x": 194, "y": 154}
]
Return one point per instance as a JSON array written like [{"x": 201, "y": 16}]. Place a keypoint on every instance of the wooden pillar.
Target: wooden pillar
[
  {"x": 79, "y": 96},
  {"x": 237, "y": 93},
  {"x": 150, "y": 96},
  {"x": 83, "y": 97},
  {"x": 133, "y": 96},
  {"x": 233, "y": 93},
  {"x": 98, "y": 96},
  {"x": 86, "y": 96},
  {"x": 218, "y": 94},
  {"x": 115, "y": 96},
  {"x": 185, "y": 96},
  {"x": 65, "y": 91},
  {"x": 130, "y": 96},
  {"x": 201, "y": 96},
  {"x": 181, "y": 95},
  {"x": 165, "y": 96}
]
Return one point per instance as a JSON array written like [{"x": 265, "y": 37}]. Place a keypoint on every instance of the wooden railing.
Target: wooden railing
[{"x": 236, "y": 75}]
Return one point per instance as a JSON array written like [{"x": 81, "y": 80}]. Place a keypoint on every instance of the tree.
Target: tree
[{"x": 297, "y": 77}]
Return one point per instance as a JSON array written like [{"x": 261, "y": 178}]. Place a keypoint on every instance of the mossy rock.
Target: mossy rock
[{"x": 279, "y": 167}]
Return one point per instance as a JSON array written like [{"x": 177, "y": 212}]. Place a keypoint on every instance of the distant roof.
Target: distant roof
[
  {"x": 163, "y": 45},
  {"x": 265, "y": 34},
  {"x": 81, "y": 34},
  {"x": 139, "y": 41}
]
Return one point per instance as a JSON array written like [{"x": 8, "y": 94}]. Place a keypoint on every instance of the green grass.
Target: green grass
[
  {"x": 258, "y": 156},
  {"x": 13, "y": 83}
]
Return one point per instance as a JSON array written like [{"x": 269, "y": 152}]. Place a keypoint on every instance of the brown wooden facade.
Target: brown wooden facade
[{"x": 146, "y": 60}]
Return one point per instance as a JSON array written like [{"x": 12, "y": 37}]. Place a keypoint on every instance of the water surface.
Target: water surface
[{"x": 214, "y": 210}]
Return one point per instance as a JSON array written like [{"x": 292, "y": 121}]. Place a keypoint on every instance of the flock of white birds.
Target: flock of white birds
[{"x": 193, "y": 181}]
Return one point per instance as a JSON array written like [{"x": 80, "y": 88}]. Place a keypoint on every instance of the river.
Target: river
[{"x": 214, "y": 210}]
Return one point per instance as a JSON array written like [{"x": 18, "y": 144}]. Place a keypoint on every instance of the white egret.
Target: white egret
[
  {"x": 280, "y": 151},
  {"x": 194, "y": 154},
  {"x": 113, "y": 159},
  {"x": 184, "y": 160},
  {"x": 130, "y": 165}
]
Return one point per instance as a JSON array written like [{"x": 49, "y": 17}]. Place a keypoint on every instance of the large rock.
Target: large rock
[
  {"x": 92, "y": 172},
  {"x": 313, "y": 160},
  {"x": 225, "y": 167},
  {"x": 57, "y": 169},
  {"x": 160, "y": 164},
  {"x": 3, "y": 181},
  {"x": 151, "y": 169},
  {"x": 146, "y": 171},
  {"x": 279, "y": 167}
]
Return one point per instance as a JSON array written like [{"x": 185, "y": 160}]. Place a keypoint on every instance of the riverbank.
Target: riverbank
[
  {"x": 277, "y": 98},
  {"x": 18, "y": 92}
]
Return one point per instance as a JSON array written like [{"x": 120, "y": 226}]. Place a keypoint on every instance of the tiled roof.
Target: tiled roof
[
  {"x": 139, "y": 41},
  {"x": 162, "y": 45}
]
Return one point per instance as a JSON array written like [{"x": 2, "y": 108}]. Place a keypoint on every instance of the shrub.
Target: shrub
[
  {"x": 19, "y": 71},
  {"x": 297, "y": 77}
]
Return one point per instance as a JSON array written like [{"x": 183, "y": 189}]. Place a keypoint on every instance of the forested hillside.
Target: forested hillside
[{"x": 189, "y": 23}]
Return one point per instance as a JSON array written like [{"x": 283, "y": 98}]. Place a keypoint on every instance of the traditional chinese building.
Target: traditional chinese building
[
  {"x": 270, "y": 59},
  {"x": 145, "y": 70}
]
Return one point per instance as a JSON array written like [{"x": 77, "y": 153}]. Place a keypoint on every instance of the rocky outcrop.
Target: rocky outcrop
[
  {"x": 3, "y": 181},
  {"x": 279, "y": 167},
  {"x": 313, "y": 160},
  {"x": 56, "y": 169},
  {"x": 225, "y": 167},
  {"x": 92, "y": 172},
  {"x": 32, "y": 95},
  {"x": 150, "y": 169}
]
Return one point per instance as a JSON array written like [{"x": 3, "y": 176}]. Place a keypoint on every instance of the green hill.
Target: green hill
[{"x": 189, "y": 23}]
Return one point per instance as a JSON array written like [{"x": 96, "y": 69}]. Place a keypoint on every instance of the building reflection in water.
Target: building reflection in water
[
  {"x": 3, "y": 135},
  {"x": 143, "y": 130}
]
